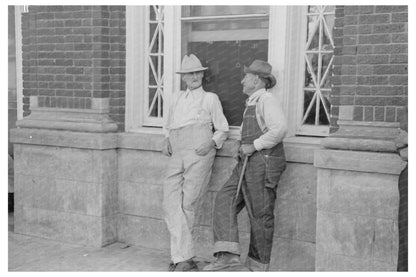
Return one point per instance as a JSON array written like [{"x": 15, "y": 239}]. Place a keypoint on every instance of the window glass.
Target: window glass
[
  {"x": 318, "y": 64},
  {"x": 225, "y": 38},
  {"x": 155, "y": 60}
]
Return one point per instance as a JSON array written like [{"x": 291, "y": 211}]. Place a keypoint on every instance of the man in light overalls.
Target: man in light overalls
[
  {"x": 195, "y": 127},
  {"x": 262, "y": 131}
]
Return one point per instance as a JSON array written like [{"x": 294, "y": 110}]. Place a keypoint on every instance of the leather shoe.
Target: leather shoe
[
  {"x": 223, "y": 260},
  {"x": 188, "y": 265}
]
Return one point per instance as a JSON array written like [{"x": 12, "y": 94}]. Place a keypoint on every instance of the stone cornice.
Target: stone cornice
[
  {"x": 387, "y": 163},
  {"x": 79, "y": 120},
  {"x": 363, "y": 136},
  {"x": 98, "y": 141},
  {"x": 360, "y": 144}
]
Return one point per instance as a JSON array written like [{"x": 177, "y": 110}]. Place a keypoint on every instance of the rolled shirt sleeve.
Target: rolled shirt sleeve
[
  {"x": 219, "y": 121},
  {"x": 170, "y": 99},
  {"x": 274, "y": 126}
]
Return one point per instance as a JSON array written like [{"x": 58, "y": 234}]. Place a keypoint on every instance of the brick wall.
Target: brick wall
[
  {"x": 371, "y": 62},
  {"x": 72, "y": 54}
]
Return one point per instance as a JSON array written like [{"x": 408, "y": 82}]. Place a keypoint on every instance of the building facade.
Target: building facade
[{"x": 94, "y": 84}]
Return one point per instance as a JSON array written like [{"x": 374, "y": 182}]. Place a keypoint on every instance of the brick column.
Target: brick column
[
  {"x": 370, "y": 64},
  {"x": 358, "y": 169},
  {"x": 65, "y": 146},
  {"x": 74, "y": 58}
]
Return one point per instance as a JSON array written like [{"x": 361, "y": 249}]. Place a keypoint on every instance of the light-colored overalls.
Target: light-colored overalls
[{"x": 187, "y": 178}]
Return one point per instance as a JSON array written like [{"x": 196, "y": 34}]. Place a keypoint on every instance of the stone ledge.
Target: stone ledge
[
  {"x": 298, "y": 149},
  {"x": 98, "y": 141},
  {"x": 359, "y": 144},
  {"x": 141, "y": 141},
  {"x": 301, "y": 149},
  {"x": 386, "y": 163},
  {"x": 367, "y": 129},
  {"x": 370, "y": 136},
  {"x": 152, "y": 141},
  {"x": 79, "y": 120}
]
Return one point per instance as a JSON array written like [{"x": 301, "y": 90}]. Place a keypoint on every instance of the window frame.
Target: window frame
[
  {"x": 18, "y": 11},
  {"x": 285, "y": 46},
  {"x": 155, "y": 70},
  {"x": 306, "y": 129}
]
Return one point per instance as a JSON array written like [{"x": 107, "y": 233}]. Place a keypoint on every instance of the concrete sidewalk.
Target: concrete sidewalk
[{"x": 27, "y": 253}]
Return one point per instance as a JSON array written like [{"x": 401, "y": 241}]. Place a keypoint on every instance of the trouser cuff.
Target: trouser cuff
[
  {"x": 176, "y": 260},
  {"x": 227, "y": 246},
  {"x": 255, "y": 265}
]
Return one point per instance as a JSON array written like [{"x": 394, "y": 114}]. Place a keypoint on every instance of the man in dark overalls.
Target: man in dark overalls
[{"x": 262, "y": 131}]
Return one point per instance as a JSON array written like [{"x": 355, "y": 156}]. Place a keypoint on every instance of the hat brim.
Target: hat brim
[
  {"x": 191, "y": 70},
  {"x": 272, "y": 80},
  {"x": 270, "y": 77}
]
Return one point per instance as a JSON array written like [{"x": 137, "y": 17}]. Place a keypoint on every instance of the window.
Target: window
[
  {"x": 318, "y": 58},
  {"x": 15, "y": 64},
  {"x": 153, "y": 99},
  {"x": 225, "y": 38},
  {"x": 296, "y": 40}
]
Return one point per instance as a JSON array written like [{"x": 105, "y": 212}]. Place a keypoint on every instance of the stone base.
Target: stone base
[
  {"x": 140, "y": 179},
  {"x": 95, "y": 188},
  {"x": 73, "y": 228},
  {"x": 357, "y": 209},
  {"x": 65, "y": 186}
]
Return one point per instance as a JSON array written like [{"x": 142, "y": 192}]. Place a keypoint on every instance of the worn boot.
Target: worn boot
[
  {"x": 172, "y": 266},
  {"x": 223, "y": 261},
  {"x": 188, "y": 265}
]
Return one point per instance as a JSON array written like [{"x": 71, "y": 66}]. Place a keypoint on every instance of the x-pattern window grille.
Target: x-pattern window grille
[
  {"x": 318, "y": 56},
  {"x": 155, "y": 58}
]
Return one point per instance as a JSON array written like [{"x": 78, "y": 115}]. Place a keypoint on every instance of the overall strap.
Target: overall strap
[{"x": 201, "y": 102}]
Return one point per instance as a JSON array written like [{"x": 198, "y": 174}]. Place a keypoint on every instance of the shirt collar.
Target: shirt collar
[
  {"x": 194, "y": 92},
  {"x": 253, "y": 98}
]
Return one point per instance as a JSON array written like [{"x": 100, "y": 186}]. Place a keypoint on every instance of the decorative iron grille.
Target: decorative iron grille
[
  {"x": 319, "y": 57},
  {"x": 155, "y": 59}
]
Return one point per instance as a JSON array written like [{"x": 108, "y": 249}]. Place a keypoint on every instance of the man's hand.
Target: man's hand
[
  {"x": 204, "y": 148},
  {"x": 246, "y": 150},
  {"x": 166, "y": 148}
]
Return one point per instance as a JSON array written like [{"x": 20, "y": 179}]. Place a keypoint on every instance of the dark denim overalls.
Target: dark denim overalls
[{"x": 258, "y": 195}]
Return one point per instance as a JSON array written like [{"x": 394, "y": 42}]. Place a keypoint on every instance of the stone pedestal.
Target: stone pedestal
[
  {"x": 141, "y": 168},
  {"x": 66, "y": 181},
  {"x": 357, "y": 200}
]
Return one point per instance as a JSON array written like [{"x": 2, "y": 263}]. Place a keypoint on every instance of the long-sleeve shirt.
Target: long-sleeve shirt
[
  {"x": 270, "y": 118},
  {"x": 183, "y": 111}
]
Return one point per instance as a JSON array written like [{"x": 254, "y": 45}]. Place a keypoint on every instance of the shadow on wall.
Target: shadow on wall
[{"x": 11, "y": 183}]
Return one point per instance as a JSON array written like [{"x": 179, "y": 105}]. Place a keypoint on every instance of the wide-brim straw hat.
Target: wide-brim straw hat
[
  {"x": 191, "y": 64},
  {"x": 263, "y": 69}
]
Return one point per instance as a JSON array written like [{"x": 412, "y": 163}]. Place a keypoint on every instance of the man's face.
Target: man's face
[
  {"x": 193, "y": 80},
  {"x": 249, "y": 83}
]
